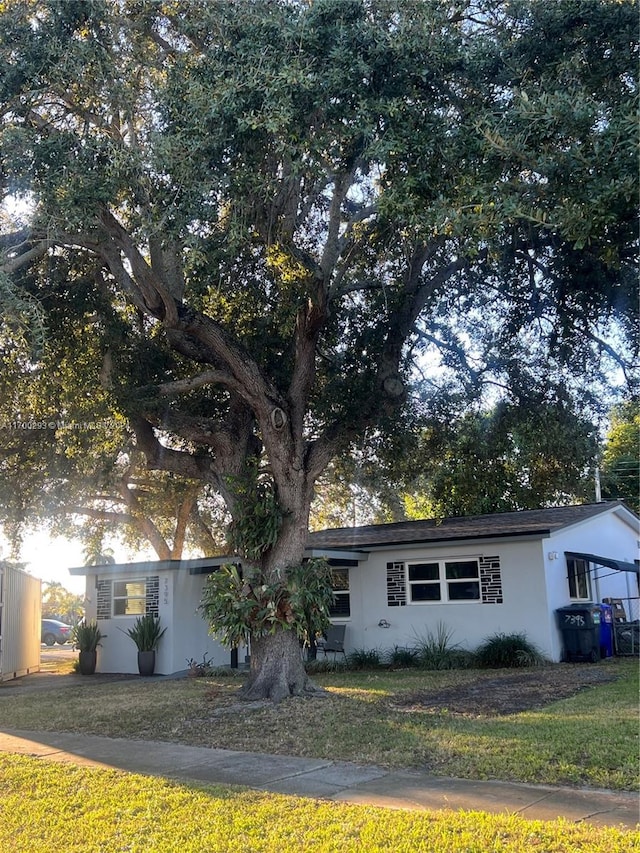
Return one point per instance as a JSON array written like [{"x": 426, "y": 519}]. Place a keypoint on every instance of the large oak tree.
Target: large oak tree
[{"x": 261, "y": 215}]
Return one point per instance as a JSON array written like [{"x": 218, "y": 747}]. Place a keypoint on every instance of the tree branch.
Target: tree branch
[
  {"x": 16, "y": 262},
  {"x": 144, "y": 524},
  {"x": 184, "y": 386}
]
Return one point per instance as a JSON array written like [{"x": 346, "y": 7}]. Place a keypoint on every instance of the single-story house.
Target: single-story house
[{"x": 476, "y": 575}]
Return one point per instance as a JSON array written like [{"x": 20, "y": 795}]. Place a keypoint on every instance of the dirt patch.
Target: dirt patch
[{"x": 497, "y": 693}]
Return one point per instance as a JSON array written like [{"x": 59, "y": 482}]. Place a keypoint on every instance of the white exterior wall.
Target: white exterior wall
[
  {"x": 524, "y": 607},
  {"x": 186, "y": 635},
  {"x": 534, "y": 585},
  {"x": 615, "y": 535},
  {"x": 191, "y": 637}
]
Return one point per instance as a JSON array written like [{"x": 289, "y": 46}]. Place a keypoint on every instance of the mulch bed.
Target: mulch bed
[{"x": 500, "y": 692}]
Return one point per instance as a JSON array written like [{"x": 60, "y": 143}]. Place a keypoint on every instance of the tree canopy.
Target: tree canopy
[
  {"x": 254, "y": 220},
  {"x": 59, "y": 603},
  {"x": 621, "y": 455}
]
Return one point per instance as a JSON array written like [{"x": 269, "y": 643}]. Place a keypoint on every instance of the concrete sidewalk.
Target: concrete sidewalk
[{"x": 334, "y": 780}]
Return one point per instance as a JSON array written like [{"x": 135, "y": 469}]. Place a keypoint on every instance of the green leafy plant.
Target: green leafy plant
[
  {"x": 86, "y": 636},
  {"x": 364, "y": 659},
  {"x": 146, "y": 632},
  {"x": 434, "y": 650},
  {"x": 508, "y": 650},
  {"x": 402, "y": 657},
  {"x": 323, "y": 665},
  {"x": 238, "y": 606},
  {"x": 258, "y": 518}
]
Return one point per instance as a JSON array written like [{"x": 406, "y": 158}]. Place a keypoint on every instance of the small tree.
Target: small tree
[
  {"x": 59, "y": 603},
  {"x": 620, "y": 458}
]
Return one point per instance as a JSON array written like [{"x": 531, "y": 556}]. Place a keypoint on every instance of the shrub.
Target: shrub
[
  {"x": 435, "y": 651},
  {"x": 364, "y": 659},
  {"x": 402, "y": 657},
  {"x": 317, "y": 667},
  {"x": 508, "y": 650}
]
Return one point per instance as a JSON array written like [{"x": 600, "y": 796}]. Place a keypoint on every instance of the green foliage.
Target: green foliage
[
  {"x": 364, "y": 659},
  {"x": 399, "y": 658},
  {"x": 508, "y": 650},
  {"x": 257, "y": 517},
  {"x": 59, "y": 603},
  {"x": 238, "y": 607},
  {"x": 435, "y": 651},
  {"x": 525, "y": 455},
  {"x": 621, "y": 456},
  {"x": 146, "y": 632},
  {"x": 86, "y": 636},
  {"x": 326, "y": 664}
]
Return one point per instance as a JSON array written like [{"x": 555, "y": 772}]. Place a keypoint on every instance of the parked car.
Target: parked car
[{"x": 53, "y": 631}]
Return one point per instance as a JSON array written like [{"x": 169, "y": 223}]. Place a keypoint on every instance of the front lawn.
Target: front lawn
[
  {"x": 590, "y": 738},
  {"x": 45, "y": 807}
]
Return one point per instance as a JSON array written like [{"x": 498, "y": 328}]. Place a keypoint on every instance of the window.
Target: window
[
  {"x": 578, "y": 575},
  {"x": 129, "y": 598},
  {"x": 463, "y": 581},
  {"x": 444, "y": 580},
  {"x": 341, "y": 607},
  {"x": 424, "y": 582}
]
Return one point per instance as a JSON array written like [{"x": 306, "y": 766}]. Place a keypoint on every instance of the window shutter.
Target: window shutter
[
  {"x": 103, "y": 599},
  {"x": 396, "y": 585},
  {"x": 491, "y": 580},
  {"x": 153, "y": 595}
]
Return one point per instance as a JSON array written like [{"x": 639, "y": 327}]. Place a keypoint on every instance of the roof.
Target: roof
[
  {"x": 534, "y": 522},
  {"x": 338, "y": 544},
  {"x": 197, "y": 566}
]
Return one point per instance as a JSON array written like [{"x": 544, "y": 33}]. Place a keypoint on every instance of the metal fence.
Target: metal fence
[
  {"x": 626, "y": 625},
  {"x": 20, "y": 608}
]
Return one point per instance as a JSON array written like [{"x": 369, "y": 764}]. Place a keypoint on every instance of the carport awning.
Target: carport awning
[{"x": 620, "y": 565}]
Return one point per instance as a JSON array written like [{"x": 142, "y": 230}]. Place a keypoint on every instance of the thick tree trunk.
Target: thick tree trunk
[{"x": 277, "y": 669}]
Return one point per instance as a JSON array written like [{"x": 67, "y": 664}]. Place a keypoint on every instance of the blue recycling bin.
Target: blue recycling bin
[
  {"x": 606, "y": 630},
  {"x": 579, "y": 625}
]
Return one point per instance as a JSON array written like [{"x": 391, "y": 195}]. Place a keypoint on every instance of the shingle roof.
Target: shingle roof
[{"x": 503, "y": 524}]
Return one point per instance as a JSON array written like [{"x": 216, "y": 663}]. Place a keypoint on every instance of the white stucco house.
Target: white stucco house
[{"x": 507, "y": 572}]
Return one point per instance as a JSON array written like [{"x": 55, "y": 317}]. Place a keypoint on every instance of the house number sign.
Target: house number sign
[{"x": 165, "y": 591}]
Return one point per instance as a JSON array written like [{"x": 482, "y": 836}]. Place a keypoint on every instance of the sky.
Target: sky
[{"x": 49, "y": 558}]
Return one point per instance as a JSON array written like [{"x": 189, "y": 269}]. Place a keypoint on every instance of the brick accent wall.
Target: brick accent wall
[
  {"x": 491, "y": 580},
  {"x": 396, "y": 585},
  {"x": 153, "y": 595},
  {"x": 103, "y": 599}
]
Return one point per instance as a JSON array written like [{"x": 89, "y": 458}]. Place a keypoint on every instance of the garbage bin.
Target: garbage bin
[
  {"x": 606, "y": 631},
  {"x": 580, "y": 628}
]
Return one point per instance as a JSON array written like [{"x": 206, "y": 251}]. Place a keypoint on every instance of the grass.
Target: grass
[
  {"x": 94, "y": 810},
  {"x": 589, "y": 739}
]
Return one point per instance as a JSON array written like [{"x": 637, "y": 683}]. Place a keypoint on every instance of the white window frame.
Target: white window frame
[
  {"x": 126, "y": 598},
  {"x": 443, "y": 582},
  {"x": 573, "y": 579},
  {"x": 341, "y": 592}
]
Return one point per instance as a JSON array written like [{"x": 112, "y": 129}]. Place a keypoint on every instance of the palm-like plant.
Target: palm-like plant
[
  {"x": 146, "y": 632},
  {"x": 86, "y": 636}
]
